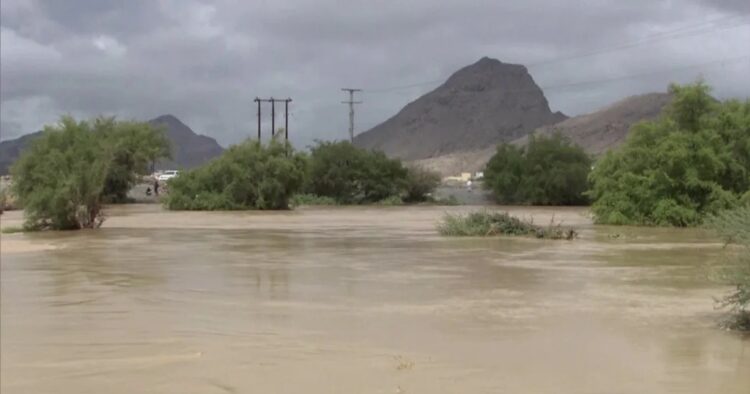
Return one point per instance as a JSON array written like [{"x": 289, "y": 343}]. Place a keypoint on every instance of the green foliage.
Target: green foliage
[
  {"x": 135, "y": 147},
  {"x": 12, "y": 230},
  {"x": 734, "y": 227},
  {"x": 420, "y": 183},
  {"x": 548, "y": 171},
  {"x": 59, "y": 179},
  {"x": 391, "y": 201},
  {"x": 246, "y": 176},
  {"x": 485, "y": 223},
  {"x": 692, "y": 162},
  {"x": 310, "y": 199},
  {"x": 353, "y": 176}
]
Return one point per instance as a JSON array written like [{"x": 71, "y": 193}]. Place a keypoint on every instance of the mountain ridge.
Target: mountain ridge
[
  {"x": 480, "y": 105},
  {"x": 189, "y": 149}
]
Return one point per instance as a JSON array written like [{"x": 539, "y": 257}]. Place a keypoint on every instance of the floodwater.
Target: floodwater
[{"x": 360, "y": 300}]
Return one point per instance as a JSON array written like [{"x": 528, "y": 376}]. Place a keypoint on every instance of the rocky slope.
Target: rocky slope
[
  {"x": 188, "y": 148},
  {"x": 478, "y": 107},
  {"x": 596, "y": 132},
  {"x": 607, "y": 128}
]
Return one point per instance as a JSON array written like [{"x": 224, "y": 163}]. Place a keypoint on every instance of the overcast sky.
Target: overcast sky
[{"x": 205, "y": 61}]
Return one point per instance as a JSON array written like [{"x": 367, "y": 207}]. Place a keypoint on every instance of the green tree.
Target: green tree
[
  {"x": 59, "y": 179},
  {"x": 420, "y": 183},
  {"x": 247, "y": 176},
  {"x": 734, "y": 227},
  {"x": 135, "y": 147},
  {"x": 352, "y": 175},
  {"x": 548, "y": 171},
  {"x": 692, "y": 162}
]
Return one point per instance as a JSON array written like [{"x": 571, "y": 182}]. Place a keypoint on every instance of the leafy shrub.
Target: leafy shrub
[
  {"x": 310, "y": 199},
  {"x": 548, "y": 171},
  {"x": 391, "y": 201},
  {"x": 420, "y": 183},
  {"x": 692, "y": 162},
  {"x": 484, "y": 223},
  {"x": 59, "y": 179},
  {"x": 734, "y": 227},
  {"x": 246, "y": 176},
  {"x": 135, "y": 147},
  {"x": 351, "y": 175}
]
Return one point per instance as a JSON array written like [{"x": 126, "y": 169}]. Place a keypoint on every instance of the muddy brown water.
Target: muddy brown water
[{"x": 360, "y": 300}]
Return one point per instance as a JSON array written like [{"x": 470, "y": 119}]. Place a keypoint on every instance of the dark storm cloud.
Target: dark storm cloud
[{"x": 205, "y": 61}]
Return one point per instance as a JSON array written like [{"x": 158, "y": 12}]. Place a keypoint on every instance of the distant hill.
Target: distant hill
[
  {"x": 596, "y": 132},
  {"x": 10, "y": 150},
  {"x": 478, "y": 107},
  {"x": 188, "y": 148},
  {"x": 607, "y": 128}
]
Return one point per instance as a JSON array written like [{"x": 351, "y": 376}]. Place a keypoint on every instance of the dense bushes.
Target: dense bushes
[
  {"x": 485, "y": 223},
  {"x": 351, "y": 175},
  {"x": 135, "y": 147},
  {"x": 246, "y": 176},
  {"x": 548, "y": 171},
  {"x": 692, "y": 162},
  {"x": 734, "y": 227},
  {"x": 420, "y": 183},
  {"x": 63, "y": 178}
]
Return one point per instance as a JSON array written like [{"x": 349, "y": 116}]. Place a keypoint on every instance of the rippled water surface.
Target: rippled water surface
[{"x": 360, "y": 300}]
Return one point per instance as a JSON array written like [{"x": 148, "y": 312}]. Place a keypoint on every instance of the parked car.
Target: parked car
[{"x": 167, "y": 175}]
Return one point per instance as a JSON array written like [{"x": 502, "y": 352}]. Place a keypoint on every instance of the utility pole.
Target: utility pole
[
  {"x": 273, "y": 117},
  {"x": 257, "y": 100},
  {"x": 286, "y": 119},
  {"x": 351, "y": 103},
  {"x": 273, "y": 102}
]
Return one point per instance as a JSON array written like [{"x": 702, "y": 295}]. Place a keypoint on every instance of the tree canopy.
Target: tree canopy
[
  {"x": 692, "y": 162},
  {"x": 66, "y": 174},
  {"x": 550, "y": 170},
  {"x": 249, "y": 175},
  {"x": 352, "y": 175}
]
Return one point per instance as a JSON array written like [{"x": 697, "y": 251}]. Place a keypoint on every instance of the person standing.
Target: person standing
[{"x": 156, "y": 187}]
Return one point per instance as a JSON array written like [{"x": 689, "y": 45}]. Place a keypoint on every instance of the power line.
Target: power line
[
  {"x": 351, "y": 103},
  {"x": 685, "y": 31}
]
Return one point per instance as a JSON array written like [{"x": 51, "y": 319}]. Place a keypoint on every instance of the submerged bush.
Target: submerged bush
[
  {"x": 351, "y": 175},
  {"x": 59, "y": 179},
  {"x": 550, "y": 170},
  {"x": 692, "y": 162},
  {"x": 420, "y": 184},
  {"x": 68, "y": 172},
  {"x": 391, "y": 201},
  {"x": 734, "y": 228},
  {"x": 485, "y": 223},
  {"x": 310, "y": 199},
  {"x": 246, "y": 176}
]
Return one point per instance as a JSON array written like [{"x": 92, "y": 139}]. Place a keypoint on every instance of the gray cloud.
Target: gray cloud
[{"x": 205, "y": 61}]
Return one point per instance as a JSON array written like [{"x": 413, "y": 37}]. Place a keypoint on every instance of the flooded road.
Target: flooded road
[{"x": 360, "y": 300}]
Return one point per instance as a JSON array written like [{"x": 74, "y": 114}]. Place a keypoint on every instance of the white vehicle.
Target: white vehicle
[{"x": 167, "y": 175}]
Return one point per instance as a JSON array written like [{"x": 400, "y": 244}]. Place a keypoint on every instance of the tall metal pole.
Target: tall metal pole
[
  {"x": 351, "y": 103},
  {"x": 273, "y": 117},
  {"x": 286, "y": 119},
  {"x": 257, "y": 100}
]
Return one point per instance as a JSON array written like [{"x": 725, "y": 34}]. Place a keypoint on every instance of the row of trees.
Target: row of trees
[
  {"x": 255, "y": 176},
  {"x": 692, "y": 162},
  {"x": 67, "y": 174},
  {"x": 75, "y": 167}
]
